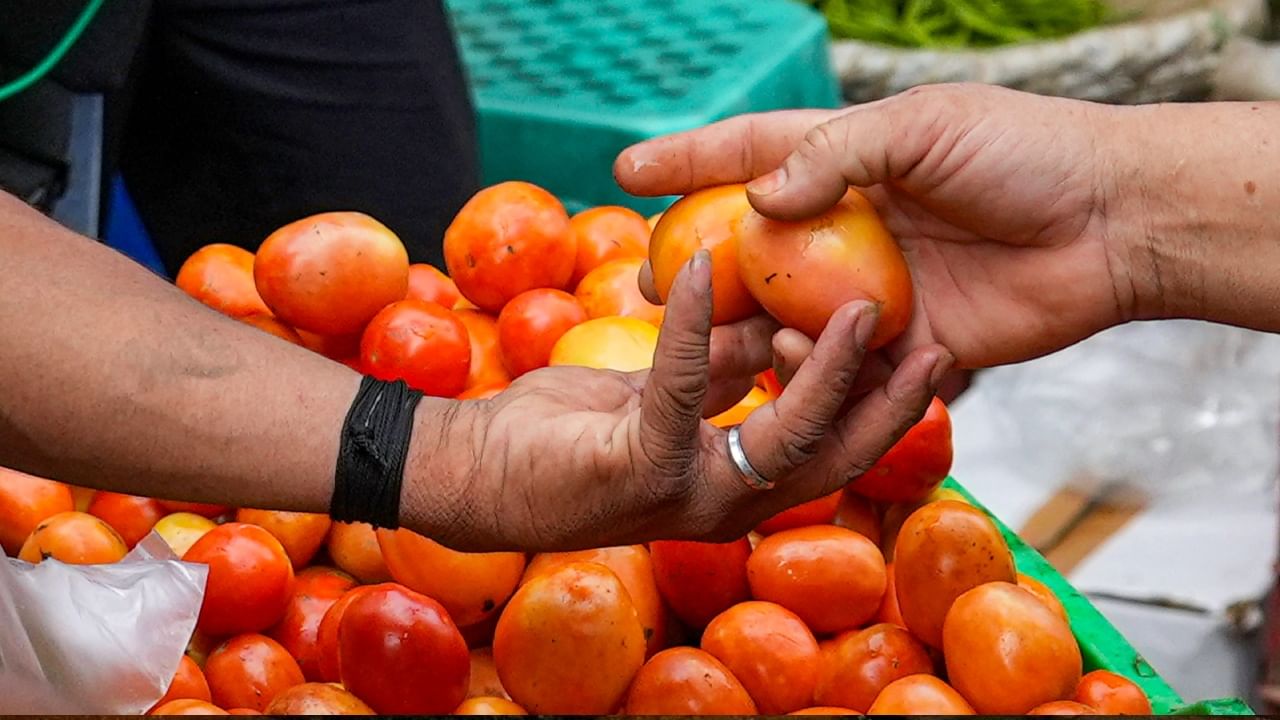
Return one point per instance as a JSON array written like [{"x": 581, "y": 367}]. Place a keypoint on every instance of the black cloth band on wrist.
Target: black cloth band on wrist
[{"x": 372, "y": 452}]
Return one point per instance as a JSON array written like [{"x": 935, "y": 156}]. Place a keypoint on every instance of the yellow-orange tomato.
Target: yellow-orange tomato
[
  {"x": 608, "y": 343},
  {"x": 634, "y": 567},
  {"x": 862, "y": 663},
  {"x": 706, "y": 219},
  {"x": 944, "y": 550},
  {"x": 607, "y": 233},
  {"x": 82, "y": 496},
  {"x": 484, "y": 676},
  {"x": 771, "y": 652},
  {"x": 613, "y": 289},
  {"x": 301, "y": 534},
  {"x": 427, "y": 282},
  {"x": 315, "y": 698},
  {"x": 687, "y": 681},
  {"x": 803, "y": 271},
  {"x": 1006, "y": 652},
  {"x": 652, "y": 220},
  {"x": 1044, "y": 594},
  {"x": 489, "y": 706},
  {"x": 831, "y": 577},
  {"x": 920, "y": 695},
  {"x": 181, "y": 530},
  {"x": 25, "y": 502},
  {"x": 889, "y": 611},
  {"x": 331, "y": 273},
  {"x": 271, "y": 325},
  {"x": 131, "y": 516},
  {"x": 188, "y": 706},
  {"x": 470, "y": 586},
  {"x": 859, "y": 515},
  {"x": 1063, "y": 707},
  {"x": 569, "y": 642},
  {"x": 737, "y": 414},
  {"x": 509, "y": 238},
  {"x": 75, "y": 538},
  {"x": 487, "y": 368},
  {"x": 353, "y": 547},
  {"x": 1112, "y": 694},
  {"x": 221, "y": 276}
]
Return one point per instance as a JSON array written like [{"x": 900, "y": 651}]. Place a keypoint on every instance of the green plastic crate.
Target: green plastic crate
[
  {"x": 562, "y": 86},
  {"x": 1102, "y": 646}
]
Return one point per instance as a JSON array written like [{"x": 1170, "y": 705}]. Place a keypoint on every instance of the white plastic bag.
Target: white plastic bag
[{"x": 95, "y": 639}]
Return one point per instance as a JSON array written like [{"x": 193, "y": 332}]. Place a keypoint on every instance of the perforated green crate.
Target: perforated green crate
[{"x": 562, "y": 86}]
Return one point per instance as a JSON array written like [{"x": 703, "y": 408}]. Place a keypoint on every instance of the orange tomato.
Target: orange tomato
[
  {"x": 569, "y": 642},
  {"x": 272, "y": 326},
  {"x": 531, "y": 323},
  {"x": 507, "y": 239},
  {"x": 342, "y": 348},
  {"x": 484, "y": 676},
  {"x": 916, "y": 465},
  {"x": 820, "y": 710},
  {"x": 1043, "y": 594},
  {"x": 771, "y": 652},
  {"x": 421, "y": 343},
  {"x": 737, "y": 414},
  {"x": 700, "y": 580},
  {"x": 1063, "y": 707},
  {"x": 832, "y": 578},
  {"x": 488, "y": 706},
  {"x": 188, "y": 707},
  {"x": 1006, "y": 652},
  {"x": 206, "y": 509},
  {"x": 487, "y": 368},
  {"x": 482, "y": 392},
  {"x": 609, "y": 343},
  {"x": 81, "y": 496},
  {"x": 1112, "y": 694},
  {"x": 25, "y": 502},
  {"x": 181, "y": 530},
  {"x": 427, "y": 282},
  {"x": 331, "y": 273},
  {"x": 687, "y": 681},
  {"x": 73, "y": 537},
  {"x": 862, "y": 663},
  {"x": 479, "y": 635},
  {"x": 634, "y": 567},
  {"x": 895, "y": 514},
  {"x": 243, "y": 711},
  {"x": 353, "y": 547},
  {"x": 301, "y": 534},
  {"x": 944, "y": 550},
  {"x": 315, "y": 590},
  {"x": 249, "y": 671},
  {"x": 920, "y": 695},
  {"x": 604, "y": 234},
  {"x": 614, "y": 289},
  {"x": 250, "y": 580},
  {"x": 188, "y": 684},
  {"x": 470, "y": 586},
  {"x": 889, "y": 611},
  {"x": 805, "y": 270},
  {"x": 316, "y": 698},
  {"x": 768, "y": 381},
  {"x": 859, "y": 515},
  {"x": 706, "y": 219},
  {"x": 821, "y": 511},
  {"x": 221, "y": 276},
  {"x": 131, "y": 516}
]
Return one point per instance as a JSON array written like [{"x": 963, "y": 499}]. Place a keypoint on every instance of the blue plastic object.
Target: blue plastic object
[{"x": 126, "y": 233}]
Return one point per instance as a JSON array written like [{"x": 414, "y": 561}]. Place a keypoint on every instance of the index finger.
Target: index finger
[{"x": 734, "y": 150}]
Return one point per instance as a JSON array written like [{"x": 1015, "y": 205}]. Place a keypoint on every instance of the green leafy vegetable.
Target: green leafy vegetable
[{"x": 958, "y": 23}]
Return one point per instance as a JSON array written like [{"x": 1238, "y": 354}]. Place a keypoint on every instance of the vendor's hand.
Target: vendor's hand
[
  {"x": 1002, "y": 202},
  {"x": 570, "y": 457}
]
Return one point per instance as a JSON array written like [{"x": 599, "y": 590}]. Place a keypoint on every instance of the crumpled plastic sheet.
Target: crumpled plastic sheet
[{"x": 95, "y": 639}]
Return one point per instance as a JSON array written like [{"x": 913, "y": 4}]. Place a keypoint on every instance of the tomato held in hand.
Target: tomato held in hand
[
  {"x": 315, "y": 590},
  {"x": 250, "y": 579},
  {"x": 687, "y": 681},
  {"x": 487, "y": 368},
  {"x": 803, "y": 271},
  {"x": 427, "y": 282},
  {"x": 569, "y": 642},
  {"x": 915, "y": 465},
  {"x": 188, "y": 684},
  {"x": 920, "y": 695},
  {"x": 221, "y": 276},
  {"x": 862, "y": 663},
  {"x": 614, "y": 289},
  {"x": 701, "y": 580},
  {"x": 353, "y": 547},
  {"x": 401, "y": 653},
  {"x": 25, "y": 502},
  {"x": 1006, "y": 652},
  {"x": 300, "y": 533},
  {"x": 705, "y": 219},
  {"x": 75, "y": 538},
  {"x": 530, "y": 325},
  {"x": 315, "y": 698},
  {"x": 418, "y": 342},
  {"x": 1112, "y": 694},
  {"x": 821, "y": 511},
  {"x": 331, "y": 273},
  {"x": 131, "y": 516},
  {"x": 771, "y": 652},
  {"x": 609, "y": 343},
  {"x": 604, "y": 234},
  {"x": 249, "y": 671},
  {"x": 507, "y": 239},
  {"x": 470, "y": 586}
]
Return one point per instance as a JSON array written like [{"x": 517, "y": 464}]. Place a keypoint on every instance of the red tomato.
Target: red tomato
[
  {"x": 205, "y": 509},
  {"x": 427, "y": 282},
  {"x": 607, "y": 233},
  {"x": 129, "y": 515},
  {"x": 249, "y": 671},
  {"x": 768, "y": 381},
  {"x": 327, "y": 645},
  {"x": 487, "y": 368},
  {"x": 915, "y": 465},
  {"x": 188, "y": 684},
  {"x": 331, "y": 273},
  {"x": 805, "y": 270},
  {"x": 530, "y": 325},
  {"x": 862, "y": 663},
  {"x": 188, "y": 707},
  {"x": 272, "y": 326},
  {"x": 73, "y": 537},
  {"x": 701, "y": 580},
  {"x": 420, "y": 342},
  {"x": 25, "y": 502},
  {"x": 771, "y": 652},
  {"x": 687, "y": 681},
  {"x": 507, "y": 239},
  {"x": 815, "y": 512},
  {"x": 614, "y": 289},
  {"x": 317, "y": 699},
  {"x": 402, "y": 654},
  {"x": 470, "y": 586},
  {"x": 1112, "y": 694},
  {"x": 920, "y": 695},
  {"x": 316, "y": 590},
  {"x": 301, "y": 534},
  {"x": 221, "y": 276},
  {"x": 250, "y": 579}
]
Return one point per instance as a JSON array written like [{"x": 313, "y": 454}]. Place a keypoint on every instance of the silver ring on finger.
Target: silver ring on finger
[{"x": 738, "y": 455}]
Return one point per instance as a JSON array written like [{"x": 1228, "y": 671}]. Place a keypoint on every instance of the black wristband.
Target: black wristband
[{"x": 371, "y": 454}]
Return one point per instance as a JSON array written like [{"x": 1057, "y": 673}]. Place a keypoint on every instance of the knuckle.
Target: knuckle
[
  {"x": 799, "y": 445},
  {"x": 825, "y": 140}
]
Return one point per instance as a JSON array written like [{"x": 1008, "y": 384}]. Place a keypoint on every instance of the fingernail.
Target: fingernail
[
  {"x": 865, "y": 326},
  {"x": 700, "y": 268},
  {"x": 768, "y": 184},
  {"x": 941, "y": 367}
]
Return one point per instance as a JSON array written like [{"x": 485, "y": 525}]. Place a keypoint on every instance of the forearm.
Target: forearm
[{"x": 1198, "y": 205}]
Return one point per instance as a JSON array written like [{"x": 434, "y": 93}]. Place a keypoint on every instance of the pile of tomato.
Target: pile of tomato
[{"x": 892, "y": 596}]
